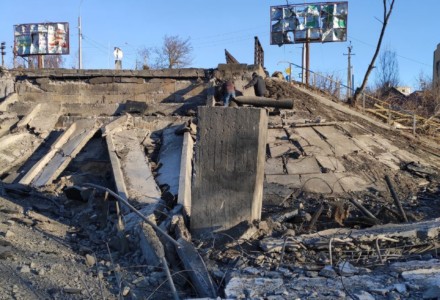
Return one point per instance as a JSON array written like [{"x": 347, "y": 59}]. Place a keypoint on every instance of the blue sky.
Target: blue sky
[{"x": 231, "y": 24}]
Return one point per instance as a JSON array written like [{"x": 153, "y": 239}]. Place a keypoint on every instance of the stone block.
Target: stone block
[
  {"x": 229, "y": 167},
  {"x": 100, "y": 80}
]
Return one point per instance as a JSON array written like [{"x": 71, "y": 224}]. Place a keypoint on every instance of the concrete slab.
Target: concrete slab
[
  {"x": 274, "y": 166},
  {"x": 351, "y": 182},
  {"x": 279, "y": 149},
  {"x": 275, "y": 193},
  {"x": 44, "y": 121},
  {"x": 330, "y": 163},
  {"x": 311, "y": 142},
  {"x": 341, "y": 143},
  {"x": 326, "y": 183},
  {"x": 10, "y": 99},
  {"x": 131, "y": 162},
  {"x": 229, "y": 167},
  {"x": 185, "y": 176},
  {"x": 64, "y": 150},
  {"x": 28, "y": 118},
  {"x": 389, "y": 160},
  {"x": 7, "y": 121},
  {"x": 15, "y": 149},
  {"x": 291, "y": 181},
  {"x": 306, "y": 165},
  {"x": 276, "y": 135},
  {"x": 169, "y": 159}
]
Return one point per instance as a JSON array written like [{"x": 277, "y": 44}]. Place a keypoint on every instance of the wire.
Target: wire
[{"x": 401, "y": 56}]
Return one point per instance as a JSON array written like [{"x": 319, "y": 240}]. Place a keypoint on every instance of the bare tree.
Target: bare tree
[
  {"x": 143, "y": 59},
  {"x": 50, "y": 61},
  {"x": 387, "y": 10},
  {"x": 174, "y": 53},
  {"x": 388, "y": 70}
]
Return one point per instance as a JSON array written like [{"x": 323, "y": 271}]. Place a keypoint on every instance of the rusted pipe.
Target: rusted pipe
[
  {"x": 396, "y": 199},
  {"x": 264, "y": 102}
]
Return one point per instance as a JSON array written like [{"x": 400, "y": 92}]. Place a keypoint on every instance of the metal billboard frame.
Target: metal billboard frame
[
  {"x": 314, "y": 32},
  {"x": 66, "y": 36}
]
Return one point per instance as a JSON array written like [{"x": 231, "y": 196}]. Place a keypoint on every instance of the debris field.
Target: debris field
[{"x": 141, "y": 185}]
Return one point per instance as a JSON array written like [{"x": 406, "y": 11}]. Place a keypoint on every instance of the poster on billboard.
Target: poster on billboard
[
  {"x": 313, "y": 22},
  {"x": 41, "y": 39}
]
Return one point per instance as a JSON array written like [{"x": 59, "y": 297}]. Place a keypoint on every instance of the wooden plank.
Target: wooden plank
[{"x": 184, "y": 195}]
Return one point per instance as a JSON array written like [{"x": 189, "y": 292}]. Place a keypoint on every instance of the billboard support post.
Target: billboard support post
[{"x": 319, "y": 22}]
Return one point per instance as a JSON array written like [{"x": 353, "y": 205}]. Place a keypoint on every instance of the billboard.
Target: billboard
[
  {"x": 313, "y": 22},
  {"x": 41, "y": 39}
]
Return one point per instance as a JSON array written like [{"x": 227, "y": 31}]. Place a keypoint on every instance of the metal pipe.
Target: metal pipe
[
  {"x": 365, "y": 211},
  {"x": 396, "y": 198},
  {"x": 170, "y": 279},
  {"x": 264, "y": 102},
  {"x": 157, "y": 228}
]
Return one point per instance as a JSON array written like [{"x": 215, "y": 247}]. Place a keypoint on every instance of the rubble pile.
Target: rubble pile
[{"x": 100, "y": 206}]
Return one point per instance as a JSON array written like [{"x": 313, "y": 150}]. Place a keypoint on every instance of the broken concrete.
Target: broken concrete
[
  {"x": 132, "y": 172},
  {"x": 63, "y": 151},
  {"x": 230, "y": 153},
  {"x": 169, "y": 159},
  {"x": 185, "y": 176}
]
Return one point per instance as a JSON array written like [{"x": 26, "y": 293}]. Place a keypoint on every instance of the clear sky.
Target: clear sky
[{"x": 231, "y": 24}]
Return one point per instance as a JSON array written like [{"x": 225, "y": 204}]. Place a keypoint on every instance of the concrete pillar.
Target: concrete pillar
[
  {"x": 229, "y": 168},
  {"x": 436, "y": 67}
]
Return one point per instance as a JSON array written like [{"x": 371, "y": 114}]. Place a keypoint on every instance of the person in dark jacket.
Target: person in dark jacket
[{"x": 258, "y": 83}]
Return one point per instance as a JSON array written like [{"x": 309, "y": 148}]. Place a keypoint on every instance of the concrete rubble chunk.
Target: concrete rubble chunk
[
  {"x": 271, "y": 244},
  {"x": 423, "y": 229},
  {"x": 90, "y": 260},
  {"x": 423, "y": 277},
  {"x": 328, "y": 272},
  {"x": 432, "y": 292},
  {"x": 251, "y": 288},
  {"x": 347, "y": 269},
  {"x": 363, "y": 295},
  {"x": 229, "y": 159}
]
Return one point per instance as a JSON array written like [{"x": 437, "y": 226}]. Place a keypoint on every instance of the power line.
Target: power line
[{"x": 401, "y": 56}]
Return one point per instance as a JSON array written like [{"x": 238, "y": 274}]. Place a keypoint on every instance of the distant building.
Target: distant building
[
  {"x": 406, "y": 90},
  {"x": 436, "y": 67}
]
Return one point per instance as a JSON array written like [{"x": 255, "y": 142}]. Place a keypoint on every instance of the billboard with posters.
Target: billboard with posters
[
  {"x": 320, "y": 22},
  {"x": 41, "y": 39}
]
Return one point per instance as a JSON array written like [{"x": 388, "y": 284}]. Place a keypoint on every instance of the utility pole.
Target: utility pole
[
  {"x": 349, "y": 72},
  {"x": 2, "y": 49},
  {"x": 80, "y": 65}
]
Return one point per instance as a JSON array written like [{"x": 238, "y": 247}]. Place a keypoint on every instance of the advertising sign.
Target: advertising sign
[
  {"x": 41, "y": 39},
  {"x": 313, "y": 22}
]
